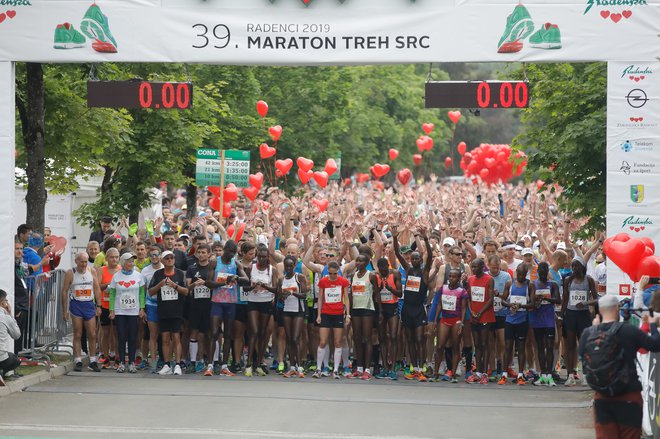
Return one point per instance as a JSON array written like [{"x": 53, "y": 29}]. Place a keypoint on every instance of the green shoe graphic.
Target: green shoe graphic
[
  {"x": 519, "y": 26},
  {"x": 66, "y": 37},
  {"x": 547, "y": 37},
  {"x": 95, "y": 25}
]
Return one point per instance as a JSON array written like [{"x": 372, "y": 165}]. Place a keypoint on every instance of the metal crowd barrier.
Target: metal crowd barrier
[{"x": 47, "y": 331}]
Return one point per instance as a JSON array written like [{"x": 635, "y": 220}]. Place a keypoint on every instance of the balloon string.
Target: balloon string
[{"x": 451, "y": 148}]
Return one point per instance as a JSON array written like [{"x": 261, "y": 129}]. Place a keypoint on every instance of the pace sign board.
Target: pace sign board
[{"x": 208, "y": 168}]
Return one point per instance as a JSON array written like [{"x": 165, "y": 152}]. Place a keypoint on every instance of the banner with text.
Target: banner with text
[
  {"x": 633, "y": 158},
  {"x": 328, "y": 31}
]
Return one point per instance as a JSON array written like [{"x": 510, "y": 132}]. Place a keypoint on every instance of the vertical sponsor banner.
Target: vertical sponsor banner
[{"x": 633, "y": 158}]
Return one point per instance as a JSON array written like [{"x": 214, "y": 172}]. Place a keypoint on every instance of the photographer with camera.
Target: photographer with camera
[{"x": 608, "y": 350}]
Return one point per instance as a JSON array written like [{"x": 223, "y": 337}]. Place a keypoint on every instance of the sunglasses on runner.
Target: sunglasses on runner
[
  {"x": 154, "y": 255},
  {"x": 457, "y": 254}
]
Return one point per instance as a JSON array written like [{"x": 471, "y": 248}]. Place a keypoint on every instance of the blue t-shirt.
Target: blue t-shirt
[
  {"x": 518, "y": 292},
  {"x": 30, "y": 256}
]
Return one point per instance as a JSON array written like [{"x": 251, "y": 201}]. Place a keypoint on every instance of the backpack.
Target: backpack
[{"x": 603, "y": 361}]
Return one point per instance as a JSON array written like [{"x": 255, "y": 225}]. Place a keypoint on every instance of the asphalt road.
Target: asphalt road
[{"x": 144, "y": 406}]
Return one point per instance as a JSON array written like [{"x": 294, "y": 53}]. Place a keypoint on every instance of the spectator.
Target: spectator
[
  {"x": 31, "y": 255},
  {"x": 106, "y": 229},
  {"x": 8, "y": 328},
  {"x": 23, "y": 233},
  {"x": 618, "y": 415},
  {"x": 21, "y": 298}
]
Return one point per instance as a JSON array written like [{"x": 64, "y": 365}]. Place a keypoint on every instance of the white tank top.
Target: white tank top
[
  {"x": 265, "y": 277},
  {"x": 292, "y": 303},
  {"x": 82, "y": 287}
]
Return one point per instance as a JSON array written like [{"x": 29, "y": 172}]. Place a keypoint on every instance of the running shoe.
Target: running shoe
[
  {"x": 502, "y": 380},
  {"x": 94, "y": 367},
  {"x": 280, "y": 368},
  {"x": 132, "y": 368},
  {"x": 454, "y": 380},
  {"x": 154, "y": 368},
  {"x": 325, "y": 372},
  {"x": 547, "y": 37},
  {"x": 316, "y": 374},
  {"x": 583, "y": 382},
  {"x": 382, "y": 374},
  {"x": 550, "y": 381},
  {"x": 519, "y": 25},
  {"x": 570, "y": 381},
  {"x": 199, "y": 366},
  {"x": 511, "y": 372},
  {"x": 94, "y": 24},
  {"x": 484, "y": 379},
  {"x": 355, "y": 374},
  {"x": 521, "y": 381},
  {"x": 468, "y": 375},
  {"x": 138, "y": 359},
  {"x": 531, "y": 376},
  {"x": 66, "y": 37},
  {"x": 436, "y": 378},
  {"x": 347, "y": 372},
  {"x": 102, "y": 359},
  {"x": 446, "y": 377},
  {"x": 557, "y": 378},
  {"x": 233, "y": 368},
  {"x": 335, "y": 375},
  {"x": 259, "y": 371},
  {"x": 393, "y": 376},
  {"x": 275, "y": 365},
  {"x": 301, "y": 372},
  {"x": 143, "y": 364},
  {"x": 78, "y": 367},
  {"x": 248, "y": 371},
  {"x": 472, "y": 379},
  {"x": 290, "y": 373},
  {"x": 366, "y": 376},
  {"x": 209, "y": 371},
  {"x": 443, "y": 367},
  {"x": 421, "y": 378},
  {"x": 116, "y": 364},
  {"x": 226, "y": 372},
  {"x": 411, "y": 375},
  {"x": 541, "y": 381},
  {"x": 121, "y": 368},
  {"x": 177, "y": 370}
]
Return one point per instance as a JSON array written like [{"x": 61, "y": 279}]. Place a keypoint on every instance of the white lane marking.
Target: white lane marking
[{"x": 113, "y": 430}]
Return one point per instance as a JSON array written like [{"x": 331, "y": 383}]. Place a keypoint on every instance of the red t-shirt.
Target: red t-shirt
[
  {"x": 333, "y": 297},
  {"x": 480, "y": 295}
]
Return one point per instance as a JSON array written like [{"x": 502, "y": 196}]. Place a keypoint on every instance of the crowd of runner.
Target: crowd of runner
[{"x": 435, "y": 282}]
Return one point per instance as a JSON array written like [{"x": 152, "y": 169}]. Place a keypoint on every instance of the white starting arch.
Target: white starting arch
[{"x": 315, "y": 32}]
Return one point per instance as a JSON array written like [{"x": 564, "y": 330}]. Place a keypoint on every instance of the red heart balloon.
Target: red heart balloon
[
  {"x": 347, "y": 182},
  {"x": 330, "y": 166},
  {"x": 250, "y": 192},
  {"x": 321, "y": 204},
  {"x": 467, "y": 156},
  {"x": 380, "y": 169},
  {"x": 239, "y": 234},
  {"x": 648, "y": 242},
  {"x": 275, "y": 132},
  {"x": 448, "y": 162},
  {"x": 304, "y": 163},
  {"x": 215, "y": 190},
  {"x": 625, "y": 252},
  {"x": 404, "y": 176},
  {"x": 484, "y": 174},
  {"x": 417, "y": 159},
  {"x": 256, "y": 180},
  {"x": 214, "y": 203},
  {"x": 362, "y": 178},
  {"x": 472, "y": 167},
  {"x": 284, "y": 166},
  {"x": 262, "y": 108},
  {"x": 58, "y": 243},
  {"x": 231, "y": 192},
  {"x": 428, "y": 127},
  {"x": 393, "y": 154},
  {"x": 490, "y": 162},
  {"x": 266, "y": 151},
  {"x": 454, "y": 116},
  {"x": 462, "y": 147},
  {"x": 378, "y": 185},
  {"x": 539, "y": 184},
  {"x": 321, "y": 177},
  {"x": 649, "y": 266},
  {"x": 304, "y": 176},
  {"x": 424, "y": 143},
  {"x": 226, "y": 210}
]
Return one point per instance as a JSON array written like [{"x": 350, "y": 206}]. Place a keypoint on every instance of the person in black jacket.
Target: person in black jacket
[
  {"x": 621, "y": 416},
  {"x": 106, "y": 229},
  {"x": 21, "y": 298}
]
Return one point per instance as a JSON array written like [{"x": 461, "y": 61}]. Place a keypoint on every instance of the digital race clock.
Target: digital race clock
[
  {"x": 477, "y": 94},
  {"x": 139, "y": 94}
]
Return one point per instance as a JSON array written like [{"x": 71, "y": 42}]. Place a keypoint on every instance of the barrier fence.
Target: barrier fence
[{"x": 46, "y": 331}]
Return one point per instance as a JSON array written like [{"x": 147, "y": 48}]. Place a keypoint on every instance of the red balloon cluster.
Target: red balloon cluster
[
  {"x": 424, "y": 143},
  {"x": 634, "y": 256},
  {"x": 492, "y": 163}
]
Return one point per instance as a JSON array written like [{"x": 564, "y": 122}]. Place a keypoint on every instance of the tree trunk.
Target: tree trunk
[
  {"x": 191, "y": 200},
  {"x": 35, "y": 147}
]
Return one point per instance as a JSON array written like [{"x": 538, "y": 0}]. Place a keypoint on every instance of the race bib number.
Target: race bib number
[
  {"x": 413, "y": 283},
  {"x": 168, "y": 293},
  {"x": 84, "y": 294},
  {"x": 576, "y": 297},
  {"x": 518, "y": 300},
  {"x": 386, "y": 295},
  {"x": 448, "y": 303},
  {"x": 497, "y": 304},
  {"x": 106, "y": 296},
  {"x": 545, "y": 295},
  {"x": 201, "y": 292},
  {"x": 243, "y": 295},
  {"x": 128, "y": 301},
  {"x": 333, "y": 295},
  {"x": 359, "y": 288},
  {"x": 478, "y": 294}
]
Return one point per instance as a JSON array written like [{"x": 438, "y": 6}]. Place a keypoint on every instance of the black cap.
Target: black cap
[{"x": 106, "y": 219}]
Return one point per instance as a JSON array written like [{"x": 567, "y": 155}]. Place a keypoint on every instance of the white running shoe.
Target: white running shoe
[
  {"x": 177, "y": 370},
  {"x": 570, "y": 381},
  {"x": 166, "y": 370}
]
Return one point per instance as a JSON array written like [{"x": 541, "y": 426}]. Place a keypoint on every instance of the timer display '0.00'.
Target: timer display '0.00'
[
  {"x": 140, "y": 94},
  {"x": 477, "y": 94}
]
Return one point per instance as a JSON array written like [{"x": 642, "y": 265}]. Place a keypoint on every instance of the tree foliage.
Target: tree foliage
[{"x": 564, "y": 129}]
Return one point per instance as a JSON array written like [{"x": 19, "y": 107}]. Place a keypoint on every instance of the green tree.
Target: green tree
[{"x": 564, "y": 128}]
